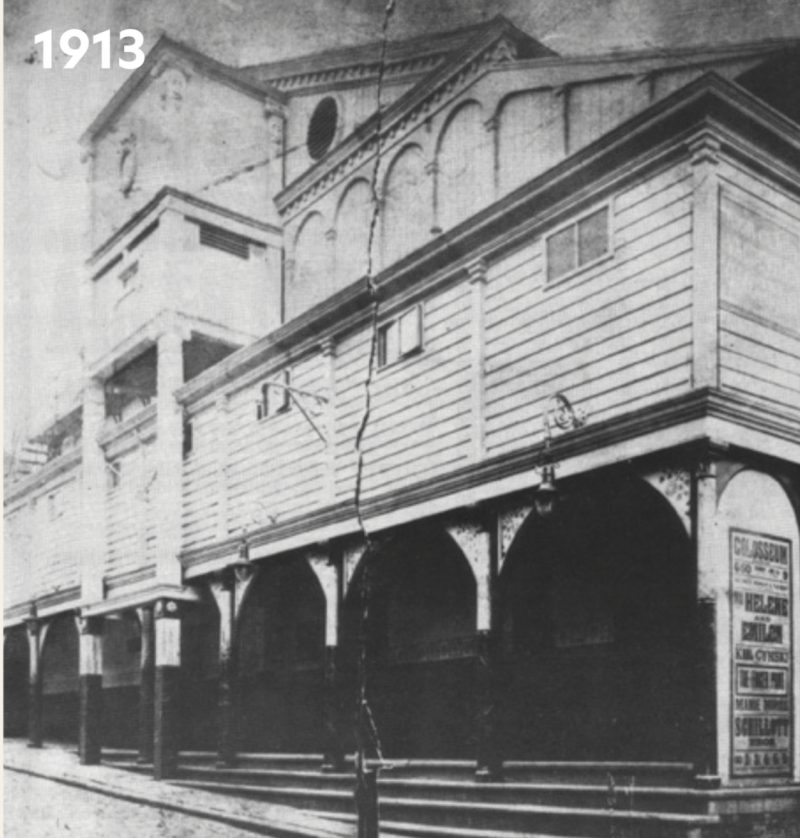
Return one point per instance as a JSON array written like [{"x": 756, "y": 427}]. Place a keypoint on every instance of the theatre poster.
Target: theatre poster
[{"x": 761, "y": 618}]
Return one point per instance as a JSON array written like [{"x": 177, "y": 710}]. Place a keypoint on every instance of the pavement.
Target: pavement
[{"x": 60, "y": 765}]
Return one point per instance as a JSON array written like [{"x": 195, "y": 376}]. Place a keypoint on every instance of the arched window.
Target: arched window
[
  {"x": 311, "y": 278},
  {"x": 529, "y": 137},
  {"x": 464, "y": 166},
  {"x": 353, "y": 222},
  {"x": 406, "y": 205}
]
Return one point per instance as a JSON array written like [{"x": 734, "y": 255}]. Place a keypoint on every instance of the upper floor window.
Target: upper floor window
[
  {"x": 225, "y": 240},
  {"x": 114, "y": 474},
  {"x": 275, "y": 396},
  {"x": 400, "y": 337},
  {"x": 579, "y": 244},
  {"x": 188, "y": 437}
]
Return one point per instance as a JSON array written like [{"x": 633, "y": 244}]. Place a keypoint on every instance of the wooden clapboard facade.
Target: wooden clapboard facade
[{"x": 332, "y": 358}]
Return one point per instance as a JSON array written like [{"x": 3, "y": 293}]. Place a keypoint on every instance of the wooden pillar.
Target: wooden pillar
[
  {"x": 35, "y": 631},
  {"x": 93, "y": 493},
  {"x": 489, "y": 757},
  {"x": 147, "y": 684},
  {"x": 479, "y": 541},
  {"x": 167, "y": 623},
  {"x": 91, "y": 690},
  {"x": 228, "y": 589},
  {"x": 328, "y": 570},
  {"x": 169, "y": 456},
  {"x": 710, "y": 585},
  {"x": 222, "y": 589}
]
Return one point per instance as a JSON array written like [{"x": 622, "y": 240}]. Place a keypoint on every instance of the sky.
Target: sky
[{"x": 46, "y": 111}]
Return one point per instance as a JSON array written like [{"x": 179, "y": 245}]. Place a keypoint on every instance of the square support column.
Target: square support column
[
  {"x": 146, "y": 684},
  {"x": 224, "y": 592},
  {"x": 91, "y": 690},
  {"x": 479, "y": 541},
  {"x": 167, "y": 716},
  {"x": 169, "y": 456},
  {"x": 710, "y": 585},
  {"x": 328, "y": 569},
  {"x": 35, "y": 642}
]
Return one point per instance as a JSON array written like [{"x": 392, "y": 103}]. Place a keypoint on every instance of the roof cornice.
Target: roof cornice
[
  {"x": 165, "y": 198},
  {"x": 204, "y": 64},
  {"x": 362, "y": 61},
  {"x": 42, "y": 476},
  {"x": 744, "y": 125}
]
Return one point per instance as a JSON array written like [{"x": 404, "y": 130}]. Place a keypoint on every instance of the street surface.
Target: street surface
[{"x": 37, "y": 808}]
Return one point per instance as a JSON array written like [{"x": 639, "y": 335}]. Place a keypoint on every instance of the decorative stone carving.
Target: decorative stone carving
[
  {"x": 504, "y": 50},
  {"x": 172, "y": 90},
  {"x": 510, "y": 521},
  {"x": 674, "y": 483},
  {"x": 128, "y": 163},
  {"x": 328, "y": 575},
  {"x": 351, "y": 556},
  {"x": 474, "y": 540}
]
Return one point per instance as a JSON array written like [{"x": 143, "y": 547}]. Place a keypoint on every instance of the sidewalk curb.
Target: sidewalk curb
[{"x": 258, "y": 825}]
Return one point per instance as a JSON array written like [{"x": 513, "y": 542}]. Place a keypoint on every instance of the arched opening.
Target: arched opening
[
  {"x": 353, "y": 222},
  {"x": 311, "y": 280},
  {"x": 200, "y": 675},
  {"x": 280, "y": 657},
  {"x": 121, "y": 677},
  {"x": 407, "y": 205},
  {"x": 597, "y": 630},
  {"x": 59, "y": 671},
  {"x": 529, "y": 137},
  {"x": 464, "y": 166},
  {"x": 15, "y": 682},
  {"x": 420, "y": 602}
]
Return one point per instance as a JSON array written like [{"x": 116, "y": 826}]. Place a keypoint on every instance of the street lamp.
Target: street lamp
[{"x": 558, "y": 413}]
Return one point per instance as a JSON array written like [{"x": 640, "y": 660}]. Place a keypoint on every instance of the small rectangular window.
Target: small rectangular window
[
  {"x": 561, "y": 253},
  {"x": 188, "y": 438},
  {"x": 114, "y": 474},
  {"x": 401, "y": 337},
  {"x": 220, "y": 239},
  {"x": 276, "y": 396},
  {"x": 577, "y": 245},
  {"x": 128, "y": 274},
  {"x": 593, "y": 236}
]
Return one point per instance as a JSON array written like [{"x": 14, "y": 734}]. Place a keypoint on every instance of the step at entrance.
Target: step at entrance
[{"x": 439, "y": 798}]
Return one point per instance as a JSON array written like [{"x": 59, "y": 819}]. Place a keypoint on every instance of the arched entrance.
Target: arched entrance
[
  {"x": 121, "y": 677},
  {"x": 420, "y": 630},
  {"x": 199, "y": 675},
  {"x": 597, "y": 630},
  {"x": 15, "y": 682},
  {"x": 280, "y": 643},
  {"x": 59, "y": 669}
]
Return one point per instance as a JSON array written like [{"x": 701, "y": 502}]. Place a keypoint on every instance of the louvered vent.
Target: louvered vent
[{"x": 221, "y": 239}]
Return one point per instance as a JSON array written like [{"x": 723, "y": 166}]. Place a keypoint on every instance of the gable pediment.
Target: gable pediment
[
  {"x": 498, "y": 42},
  {"x": 169, "y": 64}
]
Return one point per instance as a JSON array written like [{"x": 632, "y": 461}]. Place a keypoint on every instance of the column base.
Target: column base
[
  {"x": 91, "y": 719},
  {"x": 707, "y": 781},
  {"x": 485, "y": 774},
  {"x": 167, "y": 720}
]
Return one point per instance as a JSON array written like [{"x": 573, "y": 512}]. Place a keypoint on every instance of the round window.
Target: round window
[{"x": 322, "y": 127}]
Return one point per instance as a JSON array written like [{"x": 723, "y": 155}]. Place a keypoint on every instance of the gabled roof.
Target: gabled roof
[{"x": 165, "y": 48}]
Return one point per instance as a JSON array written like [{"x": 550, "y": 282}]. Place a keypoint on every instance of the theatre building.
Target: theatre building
[{"x": 443, "y": 401}]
